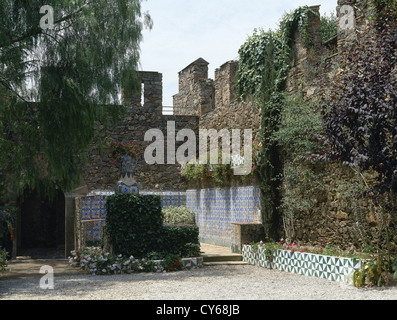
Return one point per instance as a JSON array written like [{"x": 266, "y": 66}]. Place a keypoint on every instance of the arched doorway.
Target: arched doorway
[{"x": 42, "y": 226}]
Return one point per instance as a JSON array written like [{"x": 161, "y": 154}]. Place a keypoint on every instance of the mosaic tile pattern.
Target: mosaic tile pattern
[
  {"x": 93, "y": 229},
  {"x": 169, "y": 198},
  {"x": 308, "y": 264},
  {"x": 93, "y": 207},
  {"x": 217, "y": 209}
]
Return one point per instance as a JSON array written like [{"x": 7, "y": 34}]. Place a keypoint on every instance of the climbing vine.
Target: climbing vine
[{"x": 264, "y": 61}]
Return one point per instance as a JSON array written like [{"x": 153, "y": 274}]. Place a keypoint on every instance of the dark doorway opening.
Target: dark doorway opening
[{"x": 42, "y": 226}]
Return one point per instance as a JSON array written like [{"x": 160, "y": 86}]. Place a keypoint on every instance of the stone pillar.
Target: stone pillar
[
  {"x": 70, "y": 216},
  {"x": 306, "y": 56},
  {"x": 150, "y": 94},
  {"x": 152, "y": 86},
  {"x": 196, "y": 91},
  {"x": 70, "y": 211},
  {"x": 225, "y": 84}
]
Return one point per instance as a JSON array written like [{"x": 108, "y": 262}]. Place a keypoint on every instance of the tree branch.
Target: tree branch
[{"x": 37, "y": 30}]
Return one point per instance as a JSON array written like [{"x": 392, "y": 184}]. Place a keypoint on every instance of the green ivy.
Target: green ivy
[
  {"x": 264, "y": 61},
  {"x": 296, "y": 20}
]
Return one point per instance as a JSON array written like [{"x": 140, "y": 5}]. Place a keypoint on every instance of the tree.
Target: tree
[
  {"x": 360, "y": 121},
  {"x": 57, "y": 79},
  {"x": 360, "y": 115},
  {"x": 329, "y": 27}
]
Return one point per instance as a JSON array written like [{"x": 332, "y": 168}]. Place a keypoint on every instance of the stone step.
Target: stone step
[
  {"x": 222, "y": 257},
  {"x": 217, "y": 263}
]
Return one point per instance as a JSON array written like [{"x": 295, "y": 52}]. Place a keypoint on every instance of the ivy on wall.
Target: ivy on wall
[{"x": 264, "y": 61}]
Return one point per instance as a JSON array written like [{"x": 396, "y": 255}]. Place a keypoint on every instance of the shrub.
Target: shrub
[
  {"x": 134, "y": 223},
  {"x": 172, "y": 262},
  {"x": 182, "y": 240},
  {"x": 179, "y": 215}
]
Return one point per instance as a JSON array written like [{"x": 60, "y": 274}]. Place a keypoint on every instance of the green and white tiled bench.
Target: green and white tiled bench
[{"x": 308, "y": 264}]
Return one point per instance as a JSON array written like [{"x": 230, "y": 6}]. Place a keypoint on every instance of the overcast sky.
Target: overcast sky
[{"x": 185, "y": 30}]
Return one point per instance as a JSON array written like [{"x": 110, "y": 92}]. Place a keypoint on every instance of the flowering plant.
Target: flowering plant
[
  {"x": 118, "y": 149},
  {"x": 97, "y": 261}
]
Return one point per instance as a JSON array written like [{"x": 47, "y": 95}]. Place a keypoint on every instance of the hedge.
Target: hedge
[{"x": 134, "y": 226}]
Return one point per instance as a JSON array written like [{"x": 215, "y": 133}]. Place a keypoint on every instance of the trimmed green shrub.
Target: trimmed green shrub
[
  {"x": 179, "y": 215},
  {"x": 134, "y": 226},
  {"x": 181, "y": 240},
  {"x": 134, "y": 223}
]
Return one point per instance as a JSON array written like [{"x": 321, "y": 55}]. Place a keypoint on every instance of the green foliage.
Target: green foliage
[
  {"x": 181, "y": 240},
  {"x": 382, "y": 8},
  {"x": 371, "y": 273},
  {"x": 219, "y": 173},
  {"x": 329, "y": 26},
  {"x": 179, "y": 215},
  {"x": 172, "y": 263},
  {"x": 194, "y": 171},
  {"x": 263, "y": 66},
  {"x": 8, "y": 218},
  {"x": 192, "y": 249},
  {"x": 300, "y": 125},
  {"x": 134, "y": 223},
  {"x": 296, "y": 20},
  {"x": 260, "y": 74},
  {"x": 76, "y": 69},
  {"x": 394, "y": 268},
  {"x": 253, "y": 59}
]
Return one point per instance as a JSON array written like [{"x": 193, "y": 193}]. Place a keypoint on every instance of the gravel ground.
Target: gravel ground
[{"x": 239, "y": 282}]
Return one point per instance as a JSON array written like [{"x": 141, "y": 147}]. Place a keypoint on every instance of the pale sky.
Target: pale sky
[{"x": 185, "y": 30}]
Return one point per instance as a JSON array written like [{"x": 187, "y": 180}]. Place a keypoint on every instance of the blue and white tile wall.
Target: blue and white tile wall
[{"x": 217, "y": 209}]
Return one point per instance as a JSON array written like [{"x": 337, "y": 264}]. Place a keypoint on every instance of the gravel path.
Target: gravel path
[{"x": 240, "y": 282}]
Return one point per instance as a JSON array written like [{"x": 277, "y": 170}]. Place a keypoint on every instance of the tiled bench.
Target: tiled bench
[{"x": 308, "y": 264}]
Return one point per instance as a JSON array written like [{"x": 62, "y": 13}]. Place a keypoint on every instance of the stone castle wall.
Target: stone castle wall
[
  {"x": 196, "y": 91},
  {"x": 101, "y": 174},
  {"x": 334, "y": 216},
  {"x": 212, "y": 104}
]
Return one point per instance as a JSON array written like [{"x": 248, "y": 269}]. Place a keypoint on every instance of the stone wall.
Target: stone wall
[
  {"x": 230, "y": 112},
  {"x": 101, "y": 174},
  {"x": 196, "y": 91},
  {"x": 215, "y": 101},
  {"x": 304, "y": 61},
  {"x": 337, "y": 217},
  {"x": 334, "y": 217}
]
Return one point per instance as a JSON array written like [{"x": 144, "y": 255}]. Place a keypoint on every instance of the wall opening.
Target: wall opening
[{"x": 42, "y": 226}]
